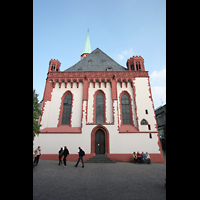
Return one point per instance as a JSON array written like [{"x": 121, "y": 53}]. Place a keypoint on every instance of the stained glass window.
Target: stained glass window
[
  {"x": 67, "y": 110},
  {"x": 125, "y": 109}
]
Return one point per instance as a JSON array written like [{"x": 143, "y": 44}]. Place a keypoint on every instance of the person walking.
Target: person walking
[
  {"x": 65, "y": 153},
  {"x": 60, "y": 155},
  {"x": 37, "y": 155},
  {"x": 81, "y": 154}
]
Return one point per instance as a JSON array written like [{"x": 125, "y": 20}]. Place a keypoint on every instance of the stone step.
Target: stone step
[{"x": 101, "y": 158}]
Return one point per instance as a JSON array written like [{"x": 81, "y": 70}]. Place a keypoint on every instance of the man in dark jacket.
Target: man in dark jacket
[
  {"x": 66, "y": 152},
  {"x": 81, "y": 154}
]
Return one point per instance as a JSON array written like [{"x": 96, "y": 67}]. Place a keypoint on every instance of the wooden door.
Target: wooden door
[{"x": 100, "y": 142}]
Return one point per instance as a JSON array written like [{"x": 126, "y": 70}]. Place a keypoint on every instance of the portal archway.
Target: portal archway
[
  {"x": 100, "y": 142},
  {"x": 93, "y": 133}
]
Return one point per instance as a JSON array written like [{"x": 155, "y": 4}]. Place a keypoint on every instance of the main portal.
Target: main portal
[{"x": 99, "y": 142}]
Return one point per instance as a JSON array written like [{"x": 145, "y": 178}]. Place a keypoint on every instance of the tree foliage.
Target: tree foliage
[{"x": 36, "y": 113}]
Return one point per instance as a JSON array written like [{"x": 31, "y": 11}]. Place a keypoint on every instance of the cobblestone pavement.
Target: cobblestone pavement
[{"x": 99, "y": 181}]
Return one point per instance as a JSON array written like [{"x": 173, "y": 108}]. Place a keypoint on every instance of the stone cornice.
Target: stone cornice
[{"x": 97, "y": 74}]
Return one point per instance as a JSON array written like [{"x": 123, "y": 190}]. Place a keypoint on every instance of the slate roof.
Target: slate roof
[{"x": 97, "y": 60}]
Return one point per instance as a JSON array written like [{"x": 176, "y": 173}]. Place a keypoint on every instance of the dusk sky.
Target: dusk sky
[{"x": 120, "y": 28}]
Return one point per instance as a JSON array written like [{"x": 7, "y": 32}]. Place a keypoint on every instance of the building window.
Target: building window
[
  {"x": 150, "y": 136},
  {"x": 149, "y": 126},
  {"x": 139, "y": 67},
  {"x": 132, "y": 68},
  {"x": 109, "y": 69},
  {"x": 126, "y": 116},
  {"x": 144, "y": 122},
  {"x": 146, "y": 111},
  {"x": 100, "y": 108},
  {"x": 67, "y": 109},
  {"x": 52, "y": 68}
]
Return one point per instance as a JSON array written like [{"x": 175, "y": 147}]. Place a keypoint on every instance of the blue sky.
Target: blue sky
[{"x": 120, "y": 28}]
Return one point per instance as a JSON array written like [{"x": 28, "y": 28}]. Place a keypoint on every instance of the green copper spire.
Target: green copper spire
[{"x": 87, "y": 47}]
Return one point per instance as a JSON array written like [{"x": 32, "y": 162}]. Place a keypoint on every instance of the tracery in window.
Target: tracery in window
[
  {"x": 126, "y": 115},
  {"x": 100, "y": 108}
]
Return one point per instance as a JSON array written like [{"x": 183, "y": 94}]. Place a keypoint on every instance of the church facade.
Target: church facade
[{"x": 100, "y": 106}]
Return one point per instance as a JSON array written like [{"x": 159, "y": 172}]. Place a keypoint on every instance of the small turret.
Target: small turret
[
  {"x": 54, "y": 65},
  {"x": 135, "y": 63}
]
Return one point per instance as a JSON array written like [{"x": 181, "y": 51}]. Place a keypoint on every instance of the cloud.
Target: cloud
[
  {"x": 125, "y": 53},
  {"x": 159, "y": 95},
  {"x": 159, "y": 74},
  {"x": 158, "y": 87},
  {"x": 158, "y": 78},
  {"x": 159, "y": 92}
]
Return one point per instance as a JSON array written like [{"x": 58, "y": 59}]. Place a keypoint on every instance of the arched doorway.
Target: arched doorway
[
  {"x": 99, "y": 142},
  {"x": 100, "y": 133}
]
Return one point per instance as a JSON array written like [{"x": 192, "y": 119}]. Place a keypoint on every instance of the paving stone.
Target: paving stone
[{"x": 118, "y": 180}]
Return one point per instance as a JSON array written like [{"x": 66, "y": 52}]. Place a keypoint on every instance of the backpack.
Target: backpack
[
  {"x": 83, "y": 153},
  {"x": 61, "y": 153}
]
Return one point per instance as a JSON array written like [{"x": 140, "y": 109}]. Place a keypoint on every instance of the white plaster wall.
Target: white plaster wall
[
  {"x": 90, "y": 104},
  {"x": 52, "y": 108},
  {"x": 109, "y": 109},
  {"x": 118, "y": 142},
  {"x": 143, "y": 102},
  {"x": 55, "y": 104},
  {"x": 108, "y": 93},
  {"x": 45, "y": 115},
  {"x": 128, "y": 89},
  {"x": 77, "y": 105},
  {"x": 130, "y": 142},
  {"x": 51, "y": 143}
]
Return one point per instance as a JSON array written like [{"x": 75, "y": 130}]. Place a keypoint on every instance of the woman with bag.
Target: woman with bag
[{"x": 37, "y": 155}]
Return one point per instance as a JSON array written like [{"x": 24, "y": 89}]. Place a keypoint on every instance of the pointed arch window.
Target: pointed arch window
[
  {"x": 144, "y": 122},
  {"x": 126, "y": 115},
  {"x": 67, "y": 103},
  {"x": 100, "y": 108},
  {"x": 132, "y": 67}
]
